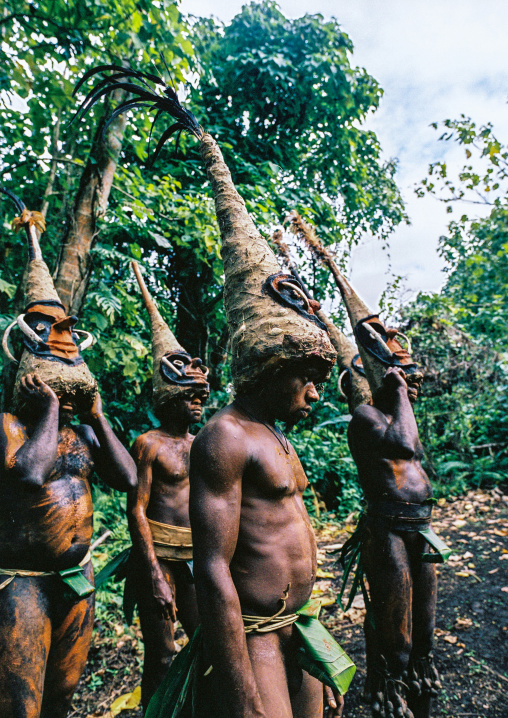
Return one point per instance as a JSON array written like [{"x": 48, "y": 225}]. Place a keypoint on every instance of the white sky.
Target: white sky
[{"x": 435, "y": 59}]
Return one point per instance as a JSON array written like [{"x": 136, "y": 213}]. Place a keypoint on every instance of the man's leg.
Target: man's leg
[
  {"x": 25, "y": 637},
  {"x": 422, "y": 672},
  {"x": 186, "y": 601},
  {"x": 266, "y": 653},
  {"x": 158, "y": 634},
  {"x": 388, "y": 570},
  {"x": 72, "y": 625}
]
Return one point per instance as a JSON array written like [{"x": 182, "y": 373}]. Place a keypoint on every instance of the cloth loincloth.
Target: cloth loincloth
[
  {"x": 398, "y": 516},
  {"x": 74, "y": 577},
  {"x": 319, "y": 654},
  {"x": 173, "y": 543}
]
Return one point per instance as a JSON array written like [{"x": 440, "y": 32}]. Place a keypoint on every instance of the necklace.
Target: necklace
[{"x": 279, "y": 435}]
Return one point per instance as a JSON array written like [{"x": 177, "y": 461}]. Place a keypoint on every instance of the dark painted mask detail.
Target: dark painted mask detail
[
  {"x": 189, "y": 372},
  {"x": 357, "y": 365},
  {"x": 393, "y": 354},
  {"x": 59, "y": 342},
  {"x": 288, "y": 291}
]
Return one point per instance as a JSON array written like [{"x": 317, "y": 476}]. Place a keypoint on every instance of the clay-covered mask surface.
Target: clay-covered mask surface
[
  {"x": 181, "y": 369},
  {"x": 48, "y": 333},
  {"x": 288, "y": 291},
  {"x": 384, "y": 344}
]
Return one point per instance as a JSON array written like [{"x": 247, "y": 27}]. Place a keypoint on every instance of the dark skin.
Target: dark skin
[
  {"x": 162, "y": 494},
  {"x": 252, "y": 537},
  {"x": 385, "y": 445},
  {"x": 46, "y": 525}
]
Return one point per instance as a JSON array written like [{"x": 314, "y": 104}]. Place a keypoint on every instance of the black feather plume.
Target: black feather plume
[
  {"x": 139, "y": 96},
  {"x": 20, "y": 205}
]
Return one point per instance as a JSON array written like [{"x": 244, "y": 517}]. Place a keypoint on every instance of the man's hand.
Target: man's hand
[
  {"x": 165, "y": 599},
  {"x": 395, "y": 378},
  {"x": 95, "y": 411},
  {"x": 34, "y": 390},
  {"x": 333, "y": 702}
]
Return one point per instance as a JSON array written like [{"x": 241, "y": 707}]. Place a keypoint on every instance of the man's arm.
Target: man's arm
[
  {"x": 396, "y": 438},
  {"x": 112, "y": 461},
  {"x": 144, "y": 453},
  {"x": 217, "y": 466},
  {"x": 31, "y": 459}
]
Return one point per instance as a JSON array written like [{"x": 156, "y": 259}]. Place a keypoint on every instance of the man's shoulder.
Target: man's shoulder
[{"x": 224, "y": 429}]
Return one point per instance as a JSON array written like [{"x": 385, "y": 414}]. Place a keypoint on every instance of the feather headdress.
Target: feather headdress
[{"x": 270, "y": 318}]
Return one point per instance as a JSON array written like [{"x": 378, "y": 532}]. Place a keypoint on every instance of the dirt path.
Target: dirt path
[{"x": 471, "y": 649}]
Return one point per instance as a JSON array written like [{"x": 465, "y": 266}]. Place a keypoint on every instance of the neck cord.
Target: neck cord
[{"x": 279, "y": 435}]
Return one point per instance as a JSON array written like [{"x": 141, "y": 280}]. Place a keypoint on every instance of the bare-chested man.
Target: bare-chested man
[
  {"x": 160, "y": 567},
  {"x": 253, "y": 540},
  {"x": 162, "y": 496},
  {"x": 45, "y": 528},
  {"x": 385, "y": 445}
]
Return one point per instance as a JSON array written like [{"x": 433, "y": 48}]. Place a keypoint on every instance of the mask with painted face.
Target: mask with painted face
[{"x": 52, "y": 344}]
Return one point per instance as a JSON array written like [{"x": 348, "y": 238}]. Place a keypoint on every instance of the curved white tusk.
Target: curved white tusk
[
  {"x": 205, "y": 370},
  {"x": 27, "y": 330},
  {"x": 90, "y": 339},
  {"x": 5, "y": 345},
  {"x": 298, "y": 291},
  {"x": 408, "y": 340},
  {"x": 339, "y": 384},
  {"x": 377, "y": 336},
  {"x": 166, "y": 361}
]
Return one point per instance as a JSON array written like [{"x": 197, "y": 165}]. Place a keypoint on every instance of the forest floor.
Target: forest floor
[{"x": 471, "y": 646}]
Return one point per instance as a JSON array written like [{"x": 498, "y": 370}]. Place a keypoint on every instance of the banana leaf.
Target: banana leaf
[
  {"x": 170, "y": 699},
  {"x": 321, "y": 655},
  {"x": 116, "y": 568}
]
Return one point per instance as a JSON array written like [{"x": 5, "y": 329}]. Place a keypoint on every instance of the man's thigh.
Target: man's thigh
[
  {"x": 25, "y": 638},
  {"x": 269, "y": 667}
]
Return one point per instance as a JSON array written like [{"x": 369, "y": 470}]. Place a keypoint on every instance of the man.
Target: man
[
  {"x": 385, "y": 445},
  {"x": 159, "y": 506},
  {"x": 47, "y": 463},
  {"x": 390, "y": 543},
  {"x": 253, "y": 543}
]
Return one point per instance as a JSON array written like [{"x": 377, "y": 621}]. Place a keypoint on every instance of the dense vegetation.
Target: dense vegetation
[{"x": 287, "y": 106}]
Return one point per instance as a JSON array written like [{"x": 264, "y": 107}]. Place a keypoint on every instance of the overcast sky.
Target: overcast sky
[{"x": 435, "y": 59}]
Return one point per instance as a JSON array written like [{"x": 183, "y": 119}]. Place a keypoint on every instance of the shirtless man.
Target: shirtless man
[
  {"x": 253, "y": 540},
  {"x": 385, "y": 445},
  {"x": 46, "y": 527},
  {"x": 162, "y": 495}
]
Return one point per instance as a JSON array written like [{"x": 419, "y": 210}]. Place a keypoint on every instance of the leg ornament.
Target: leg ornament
[
  {"x": 389, "y": 694},
  {"x": 422, "y": 676}
]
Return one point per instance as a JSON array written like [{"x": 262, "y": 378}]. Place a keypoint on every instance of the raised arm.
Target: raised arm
[
  {"x": 112, "y": 461},
  {"x": 30, "y": 459},
  {"x": 390, "y": 426},
  {"x": 216, "y": 469},
  {"x": 144, "y": 453}
]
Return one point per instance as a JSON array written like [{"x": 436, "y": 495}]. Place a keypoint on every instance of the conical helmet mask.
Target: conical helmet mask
[
  {"x": 269, "y": 316},
  {"x": 378, "y": 345},
  {"x": 175, "y": 372},
  {"x": 52, "y": 346}
]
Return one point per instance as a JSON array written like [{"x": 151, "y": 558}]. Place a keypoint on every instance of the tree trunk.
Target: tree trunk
[{"x": 75, "y": 264}]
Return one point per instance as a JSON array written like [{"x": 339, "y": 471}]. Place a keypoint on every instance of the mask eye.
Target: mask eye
[
  {"x": 39, "y": 328},
  {"x": 177, "y": 362}
]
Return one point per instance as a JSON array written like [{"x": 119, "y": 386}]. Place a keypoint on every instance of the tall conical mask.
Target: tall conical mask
[
  {"x": 52, "y": 346},
  {"x": 175, "y": 372},
  {"x": 270, "y": 318},
  {"x": 352, "y": 384},
  {"x": 378, "y": 345}
]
